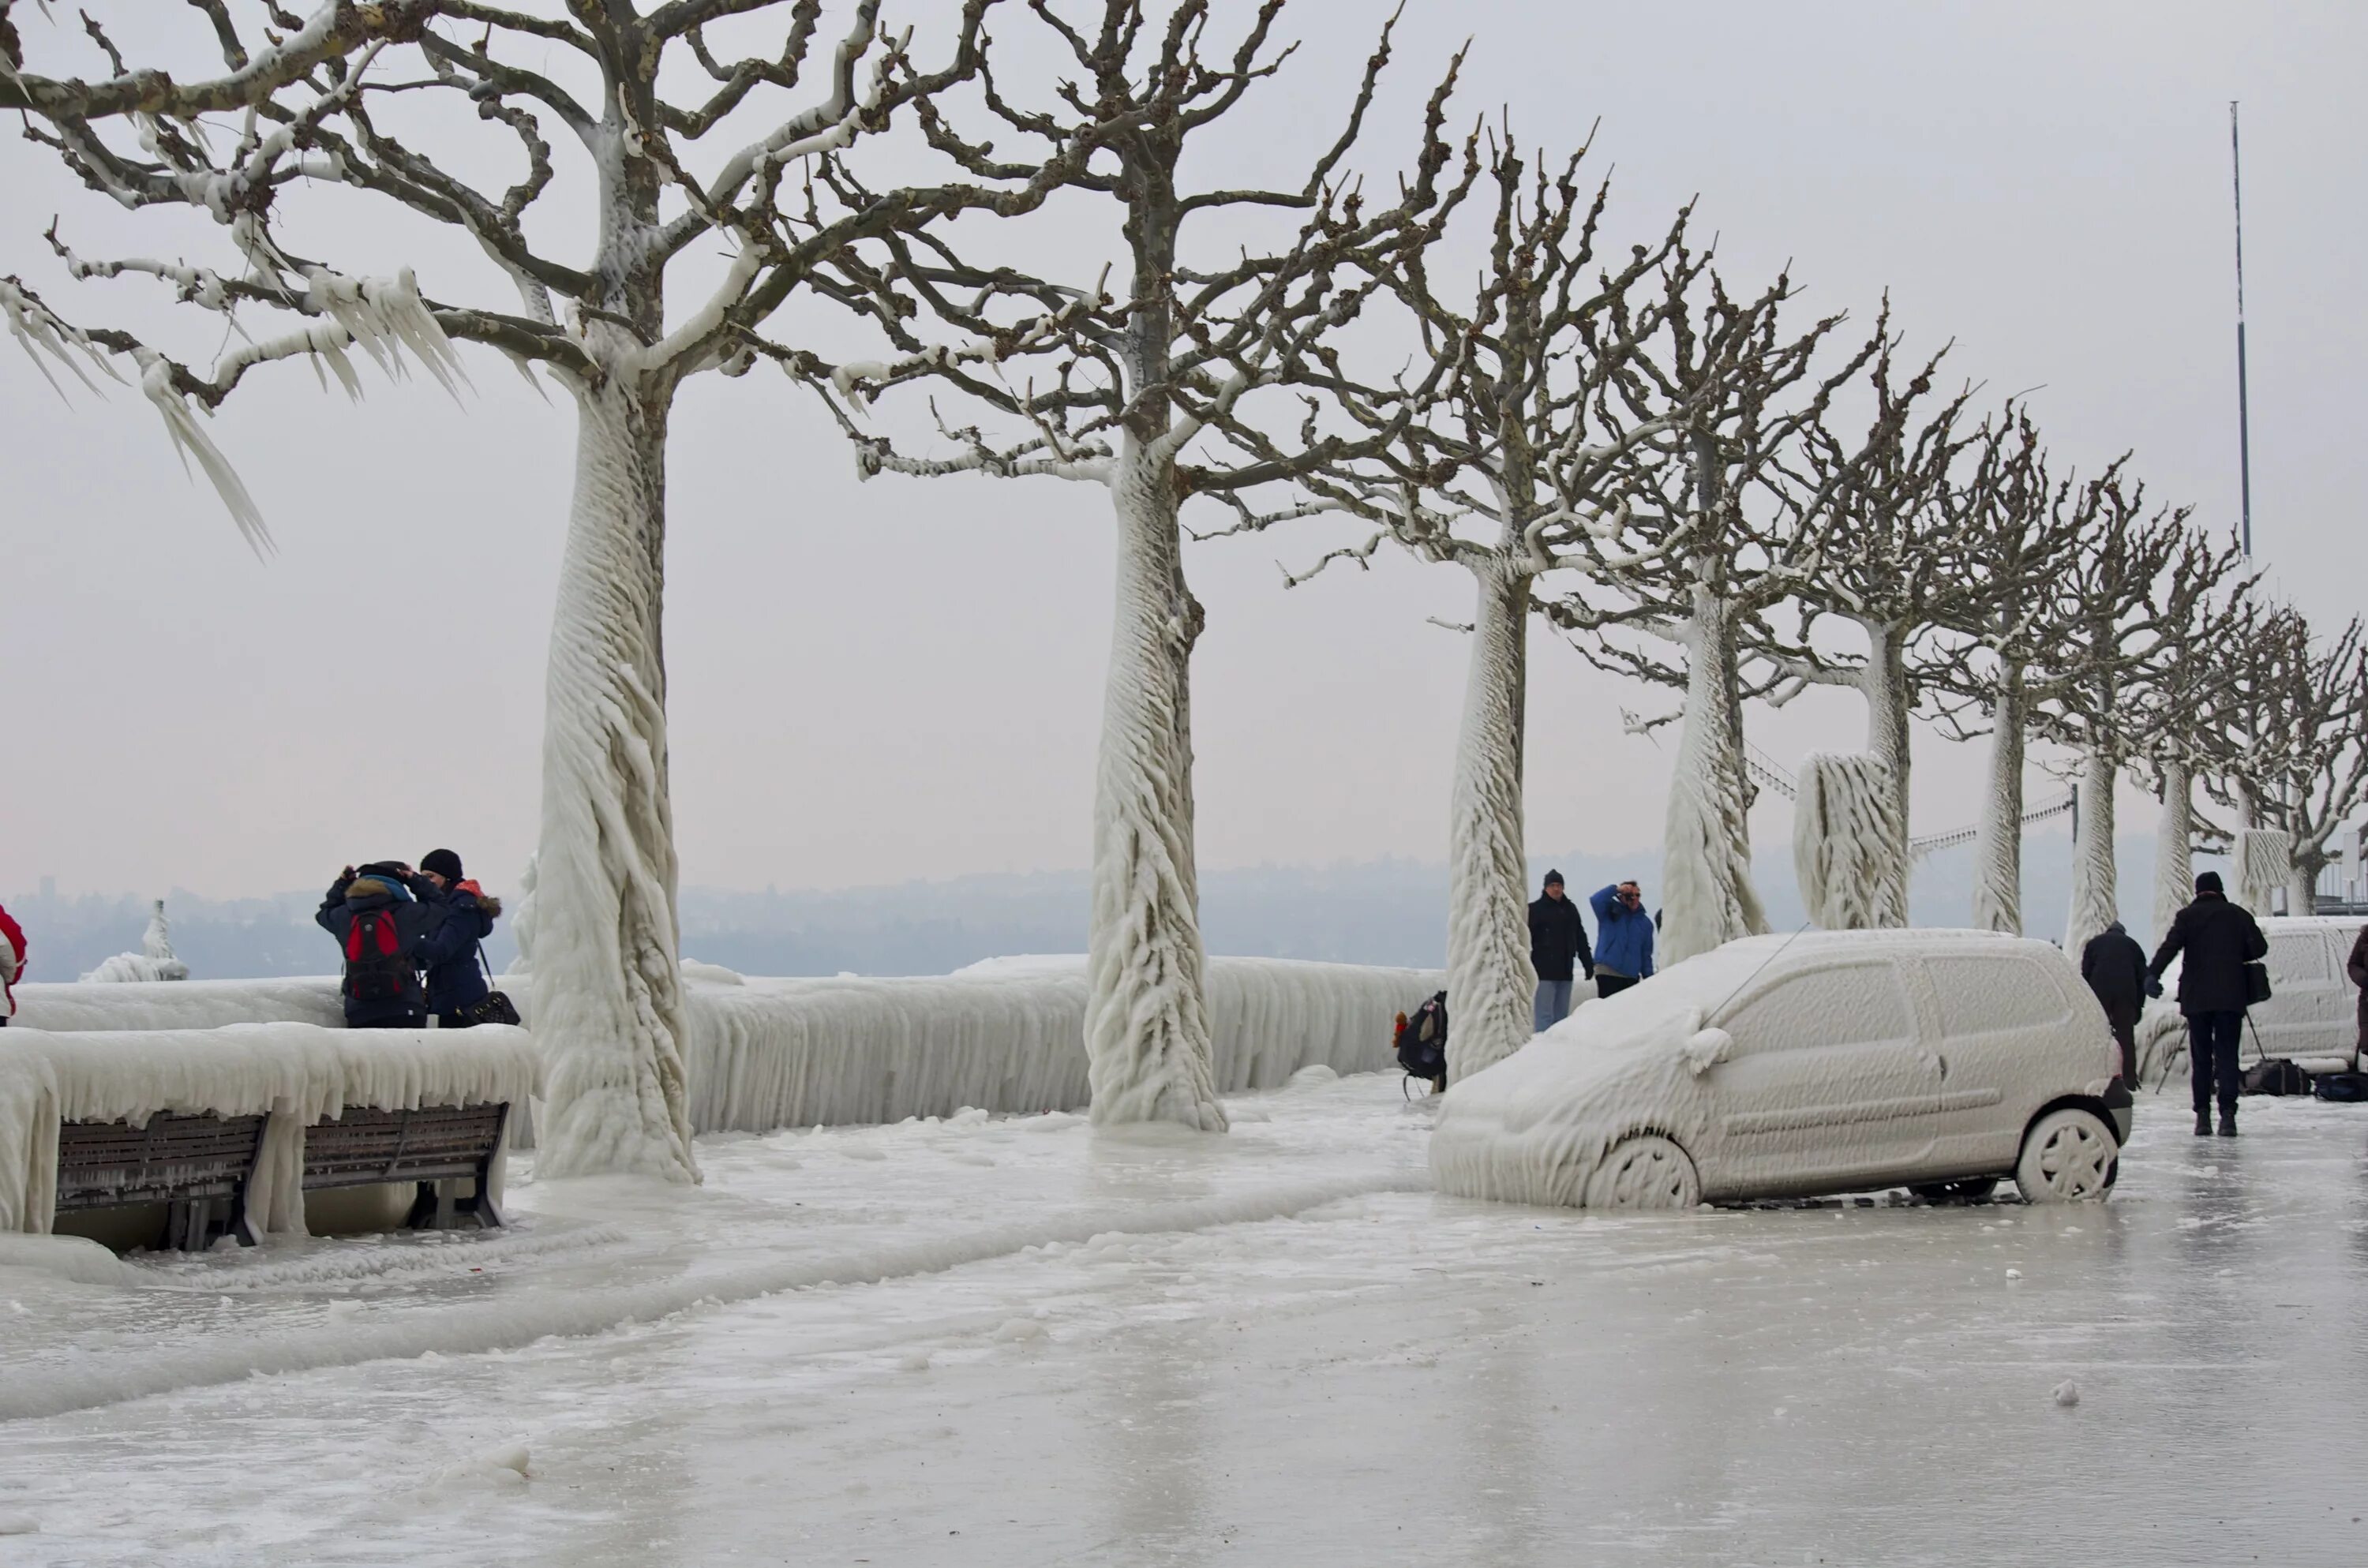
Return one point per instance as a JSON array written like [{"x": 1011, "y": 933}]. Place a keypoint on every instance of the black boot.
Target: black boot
[
  {"x": 2227, "y": 1121},
  {"x": 2203, "y": 1124}
]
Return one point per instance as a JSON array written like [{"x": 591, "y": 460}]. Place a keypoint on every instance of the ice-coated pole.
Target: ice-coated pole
[{"x": 2244, "y": 430}]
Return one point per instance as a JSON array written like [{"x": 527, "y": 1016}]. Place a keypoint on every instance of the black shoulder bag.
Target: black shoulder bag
[{"x": 497, "y": 1008}]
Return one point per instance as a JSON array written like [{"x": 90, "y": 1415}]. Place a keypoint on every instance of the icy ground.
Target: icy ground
[{"x": 1275, "y": 1347}]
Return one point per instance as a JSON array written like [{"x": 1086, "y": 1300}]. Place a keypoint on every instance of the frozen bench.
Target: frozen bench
[
  {"x": 436, "y": 1146},
  {"x": 229, "y": 1128},
  {"x": 198, "y": 1166}
]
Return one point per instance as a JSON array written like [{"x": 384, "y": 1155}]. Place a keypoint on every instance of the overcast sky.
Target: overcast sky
[{"x": 902, "y": 679}]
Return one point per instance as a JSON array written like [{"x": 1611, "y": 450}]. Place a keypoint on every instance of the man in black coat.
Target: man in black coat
[
  {"x": 2219, "y": 938},
  {"x": 1557, "y": 941},
  {"x": 2115, "y": 968}
]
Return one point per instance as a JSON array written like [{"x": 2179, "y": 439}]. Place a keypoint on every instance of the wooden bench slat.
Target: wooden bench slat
[
  {"x": 430, "y": 1144},
  {"x": 184, "y": 1162}
]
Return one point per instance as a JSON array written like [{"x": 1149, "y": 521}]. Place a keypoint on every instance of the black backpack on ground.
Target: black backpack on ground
[
  {"x": 2277, "y": 1075},
  {"x": 2345, "y": 1087},
  {"x": 1422, "y": 1040}
]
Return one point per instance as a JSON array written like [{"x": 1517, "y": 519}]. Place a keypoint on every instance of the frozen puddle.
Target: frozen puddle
[{"x": 1276, "y": 1346}]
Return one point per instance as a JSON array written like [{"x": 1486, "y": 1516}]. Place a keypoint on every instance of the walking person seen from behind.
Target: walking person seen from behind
[
  {"x": 1557, "y": 941},
  {"x": 376, "y": 916},
  {"x": 1624, "y": 938},
  {"x": 460, "y": 916},
  {"x": 2218, "y": 940},
  {"x": 2115, "y": 968}
]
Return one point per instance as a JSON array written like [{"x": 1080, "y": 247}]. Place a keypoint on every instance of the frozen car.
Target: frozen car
[
  {"x": 2312, "y": 1015},
  {"x": 1786, "y": 1066}
]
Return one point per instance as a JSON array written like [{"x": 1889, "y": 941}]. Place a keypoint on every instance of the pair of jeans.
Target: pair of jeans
[
  {"x": 2211, "y": 1047},
  {"x": 1609, "y": 984},
  {"x": 1553, "y": 1003}
]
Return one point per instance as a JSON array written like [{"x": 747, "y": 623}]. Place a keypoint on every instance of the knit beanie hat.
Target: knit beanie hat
[
  {"x": 2208, "y": 882},
  {"x": 443, "y": 863},
  {"x": 1553, "y": 880}
]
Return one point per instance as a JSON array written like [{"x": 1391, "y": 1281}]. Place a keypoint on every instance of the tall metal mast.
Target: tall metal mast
[{"x": 2244, "y": 423}]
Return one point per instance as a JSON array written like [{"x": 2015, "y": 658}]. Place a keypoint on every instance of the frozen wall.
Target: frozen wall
[
  {"x": 295, "y": 1074},
  {"x": 1004, "y": 1035}
]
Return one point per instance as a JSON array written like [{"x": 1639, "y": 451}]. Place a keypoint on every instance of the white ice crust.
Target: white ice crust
[{"x": 295, "y": 1074}]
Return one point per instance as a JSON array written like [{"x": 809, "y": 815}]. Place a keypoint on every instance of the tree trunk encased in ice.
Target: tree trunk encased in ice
[
  {"x": 1491, "y": 986},
  {"x": 2303, "y": 867},
  {"x": 1708, "y": 898},
  {"x": 2095, "y": 902},
  {"x": 608, "y": 1005},
  {"x": 1889, "y": 700},
  {"x": 2264, "y": 857},
  {"x": 2174, "y": 848},
  {"x": 1146, "y": 1019},
  {"x": 1997, "y": 859},
  {"x": 1843, "y": 825}
]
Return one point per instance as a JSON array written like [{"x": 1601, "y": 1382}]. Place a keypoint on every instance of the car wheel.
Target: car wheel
[
  {"x": 1969, "y": 1190},
  {"x": 1645, "y": 1172},
  {"x": 2069, "y": 1156}
]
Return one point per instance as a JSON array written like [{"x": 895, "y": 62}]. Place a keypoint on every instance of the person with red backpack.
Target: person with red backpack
[
  {"x": 12, "y": 965},
  {"x": 379, "y": 921}
]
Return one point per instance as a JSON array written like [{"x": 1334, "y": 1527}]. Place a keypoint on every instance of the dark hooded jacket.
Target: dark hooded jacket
[
  {"x": 2115, "y": 968},
  {"x": 2219, "y": 938},
  {"x": 1557, "y": 938},
  {"x": 378, "y": 887},
  {"x": 459, "y": 917}
]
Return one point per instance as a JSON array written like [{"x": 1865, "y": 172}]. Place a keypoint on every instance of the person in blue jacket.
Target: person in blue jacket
[
  {"x": 1624, "y": 938},
  {"x": 461, "y": 916}
]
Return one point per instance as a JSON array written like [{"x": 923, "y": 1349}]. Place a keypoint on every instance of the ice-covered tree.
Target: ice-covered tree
[
  {"x": 2136, "y": 596},
  {"x": 598, "y": 154},
  {"x": 1504, "y": 452},
  {"x": 2008, "y": 533},
  {"x": 1714, "y": 545},
  {"x": 1185, "y": 317},
  {"x": 2296, "y": 757},
  {"x": 1881, "y": 500}
]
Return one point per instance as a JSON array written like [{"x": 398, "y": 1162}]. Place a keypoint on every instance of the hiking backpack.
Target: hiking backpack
[
  {"x": 1422, "y": 1039},
  {"x": 378, "y": 969},
  {"x": 2277, "y": 1075}
]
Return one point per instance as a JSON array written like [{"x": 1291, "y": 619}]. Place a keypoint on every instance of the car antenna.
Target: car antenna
[{"x": 1755, "y": 972}]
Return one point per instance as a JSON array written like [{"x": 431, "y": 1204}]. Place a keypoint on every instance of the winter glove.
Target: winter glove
[
  {"x": 1589, "y": 969},
  {"x": 2154, "y": 986}
]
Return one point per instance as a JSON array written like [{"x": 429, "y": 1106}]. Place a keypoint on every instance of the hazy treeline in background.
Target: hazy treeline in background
[{"x": 1380, "y": 912}]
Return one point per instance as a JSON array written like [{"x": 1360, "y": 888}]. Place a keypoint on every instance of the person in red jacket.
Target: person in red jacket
[{"x": 12, "y": 964}]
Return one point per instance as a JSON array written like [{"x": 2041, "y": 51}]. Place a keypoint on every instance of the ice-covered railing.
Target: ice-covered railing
[
  {"x": 1005, "y": 1035},
  {"x": 293, "y": 1073},
  {"x": 190, "y": 1004},
  {"x": 1768, "y": 772}
]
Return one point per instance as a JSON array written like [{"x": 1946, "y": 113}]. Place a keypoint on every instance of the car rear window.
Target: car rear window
[
  {"x": 1856, "y": 1005},
  {"x": 1984, "y": 995},
  {"x": 2299, "y": 957}
]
